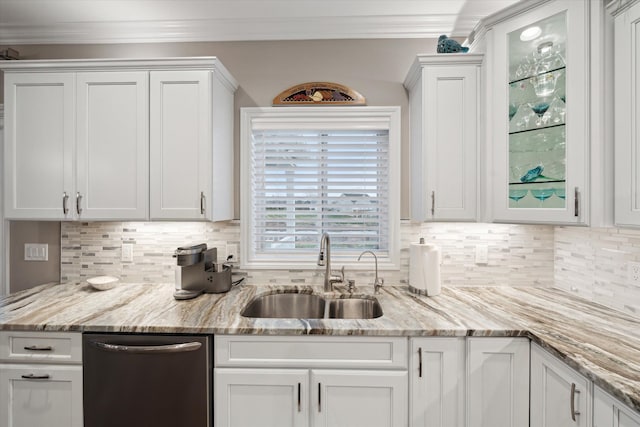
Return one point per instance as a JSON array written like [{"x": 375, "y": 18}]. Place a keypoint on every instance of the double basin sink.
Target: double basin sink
[{"x": 295, "y": 305}]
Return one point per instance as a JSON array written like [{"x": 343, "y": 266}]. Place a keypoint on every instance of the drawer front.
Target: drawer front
[
  {"x": 311, "y": 352},
  {"x": 49, "y": 347}
]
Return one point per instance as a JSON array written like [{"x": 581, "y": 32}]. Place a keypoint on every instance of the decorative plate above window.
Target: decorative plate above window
[{"x": 323, "y": 93}]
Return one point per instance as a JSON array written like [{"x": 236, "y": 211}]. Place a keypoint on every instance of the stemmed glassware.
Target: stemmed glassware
[
  {"x": 518, "y": 194},
  {"x": 542, "y": 194}
]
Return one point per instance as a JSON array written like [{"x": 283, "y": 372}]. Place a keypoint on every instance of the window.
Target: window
[{"x": 311, "y": 170}]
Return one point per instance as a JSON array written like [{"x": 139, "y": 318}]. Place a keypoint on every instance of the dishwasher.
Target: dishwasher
[{"x": 147, "y": 380}]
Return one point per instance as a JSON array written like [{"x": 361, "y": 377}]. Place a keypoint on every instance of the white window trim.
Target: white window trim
[{"x": 312, "y": 117}]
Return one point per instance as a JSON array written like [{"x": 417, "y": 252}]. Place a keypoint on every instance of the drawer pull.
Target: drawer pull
[
  {"x": 573, "y": 401},
  {"x": 299, "y": 397},
  {"x": 38, "y": 348},
  {"x": 319, "y": 397},
  {"x": 35, "y": 377},
  {"x": 420, "y": 362}
]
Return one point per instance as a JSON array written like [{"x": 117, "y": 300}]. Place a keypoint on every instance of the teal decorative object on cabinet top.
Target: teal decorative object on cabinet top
[{"x": 447, "y": 45}]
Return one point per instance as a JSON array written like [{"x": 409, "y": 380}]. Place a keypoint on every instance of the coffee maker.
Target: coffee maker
[{"x": 198, "y": 271}]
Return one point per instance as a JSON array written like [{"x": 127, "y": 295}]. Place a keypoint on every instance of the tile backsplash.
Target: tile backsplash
[
  {"x": 519, "y": 255},
  {"x": 593, "y": 263}
]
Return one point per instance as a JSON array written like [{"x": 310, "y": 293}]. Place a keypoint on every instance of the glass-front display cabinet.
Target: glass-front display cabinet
[{"x": 539, "y": 109}]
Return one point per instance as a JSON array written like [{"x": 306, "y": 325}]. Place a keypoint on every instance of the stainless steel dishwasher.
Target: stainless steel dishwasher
[{"x": 147, "y": 380}]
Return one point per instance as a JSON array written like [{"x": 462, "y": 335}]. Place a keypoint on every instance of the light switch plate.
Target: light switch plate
[
  {"x": 127, "y": 252},
  {"x": 36, "y": 252},
  {"x": 482, "y": 254}
]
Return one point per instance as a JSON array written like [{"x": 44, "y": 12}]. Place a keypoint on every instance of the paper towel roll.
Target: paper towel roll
[{"x": 424, "y": 268}]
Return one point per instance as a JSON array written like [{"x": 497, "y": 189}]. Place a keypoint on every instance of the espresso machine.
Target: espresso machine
[{"x": 198, "y": 271}]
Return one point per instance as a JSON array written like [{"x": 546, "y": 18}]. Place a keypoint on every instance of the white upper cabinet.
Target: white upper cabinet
[
  {"x": 443, "y": 97},
  {"x": 627, "y": 116},
  {"x": 39, "y": 145},
  {"x": 112, "y": 145},
  {"x": 537, "y": 104},
  {"x": 192, "y": 144},
  {"x": 77, "y": 139},
  {"x": 180, "y": 144}
]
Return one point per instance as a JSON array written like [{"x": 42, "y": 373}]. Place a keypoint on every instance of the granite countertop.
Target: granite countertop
[{"x": 601, "y": 343}]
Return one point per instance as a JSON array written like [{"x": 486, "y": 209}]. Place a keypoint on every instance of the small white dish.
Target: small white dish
[{"x": 102, "y": 283}]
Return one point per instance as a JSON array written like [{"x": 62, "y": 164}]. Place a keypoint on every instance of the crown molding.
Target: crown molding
[
  {"x": 193, "y": 30},
  {"x": 145, "y": 64}
]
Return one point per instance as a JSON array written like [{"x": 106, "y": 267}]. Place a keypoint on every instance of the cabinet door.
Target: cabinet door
[
  {"x": 39, "y": 145},
  {"x": 112, "y": 145},
  {"x": 540, "y": 115},
  {"x": 437, "y": 382},
  {"x": 41, "y": 395},
  {"x": 180, "y": 161},
  {"x": 261, "y": 397},
  {"x": 498, "y": 382},
  {"x": 559, "y": 395},
  {"x": 444, "y": 111},
  {"x": 348, "y": 398},
  {"x": 627, "y": 117},
  {"x": 610, "y": 412}
]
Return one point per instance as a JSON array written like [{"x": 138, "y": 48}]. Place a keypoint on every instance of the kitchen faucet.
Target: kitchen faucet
[
  {"x": 378, "y": 282},
  {"x": 324, "y": 259}
]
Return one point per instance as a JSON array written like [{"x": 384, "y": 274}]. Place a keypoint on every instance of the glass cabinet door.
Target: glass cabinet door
[
  {"x": 537, "y": 113},
  {"x": 539, "y": 80}
]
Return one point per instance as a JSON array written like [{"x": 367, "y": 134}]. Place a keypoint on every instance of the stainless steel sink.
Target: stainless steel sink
[
  {"x": 294, "y": 305},
  {"x": 288, "y": 305},
  {"x": 355, "y": 308}
]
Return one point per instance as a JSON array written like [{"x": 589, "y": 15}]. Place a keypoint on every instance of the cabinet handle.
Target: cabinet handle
[
  {"x": 78, "y": 203},
  {"x": 299, "y": 397},
  {"x": 420, "y": 362},
  {"x": 65, "y": 197},
  {"x": 37, "y": 348},
  {"x": 433, "y": 203},
  {"x": 573, "y": 401},
  {"x": 202, "y": 200},
  {"x": 319, "y": 397},
  {"x": 576, "y": 202},
  {"x": 35, "y": 377}
]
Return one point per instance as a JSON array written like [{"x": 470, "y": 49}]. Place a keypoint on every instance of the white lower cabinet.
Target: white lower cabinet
[
  {"x": 610, "y": 412},
  {"x": 261, "y": 397},
  {"x": 40, "y": 379},
  {"x": 498, "y": 382},
  {"x": 353, "y": 398},
  {"x": 436, "y": 385},
  {"x": 310, "y": 381},
  {"x": 41, "y": 395},
  {"x": 559, "y": 395}
]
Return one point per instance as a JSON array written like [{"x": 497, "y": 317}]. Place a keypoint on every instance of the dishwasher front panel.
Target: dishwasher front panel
[{"x": 147, "y": 380}]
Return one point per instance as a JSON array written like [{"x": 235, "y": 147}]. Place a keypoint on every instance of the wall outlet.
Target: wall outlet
[
  {"x": 36, "y": 252},
  {"x": 127, "y": 252},
  {"x": 482, "y": 254},
  {"x": 633, "y": 273},
  {"x": 233, "y": 251}
]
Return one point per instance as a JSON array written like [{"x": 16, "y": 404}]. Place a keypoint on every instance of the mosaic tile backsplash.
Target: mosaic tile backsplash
[
  {"x": 593, "y": 263},
  {"x": 519, "y": 255}
]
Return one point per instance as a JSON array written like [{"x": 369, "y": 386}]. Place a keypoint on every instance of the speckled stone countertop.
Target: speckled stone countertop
[{"x": 601, "y": 343}]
